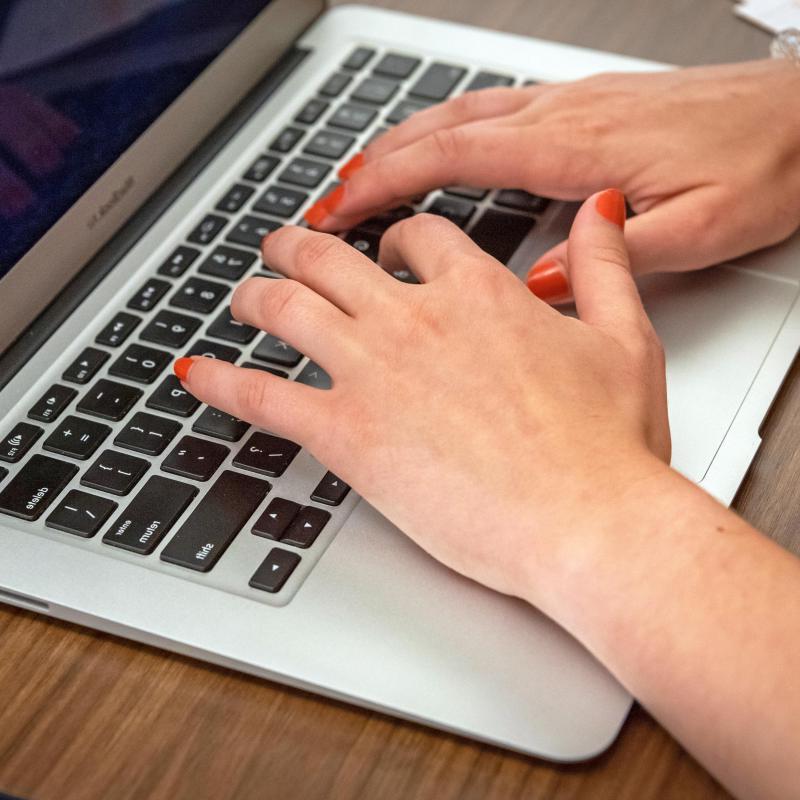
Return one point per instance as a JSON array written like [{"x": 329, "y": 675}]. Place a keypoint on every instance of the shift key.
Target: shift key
[
  {"x": 213, "y": 525},
  {"x": 150, "y": 515}
]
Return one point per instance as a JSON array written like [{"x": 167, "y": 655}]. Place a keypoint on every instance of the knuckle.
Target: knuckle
[
  {"x": 313, "y": 251},
  {"x": 610, "y": 256},
  {"x": 447, "y": 143},
  {"x": 279, "y": 300},
  {"x": 251, "y": 396}
]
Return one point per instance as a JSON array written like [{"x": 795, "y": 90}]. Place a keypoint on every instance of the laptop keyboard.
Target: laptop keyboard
[{"x": 121, "y": 457}]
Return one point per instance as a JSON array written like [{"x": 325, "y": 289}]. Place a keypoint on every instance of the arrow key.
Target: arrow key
[
  {"x": 306, "y": 526},
  {"x": 274, "y": 570},
  {"x": 276, "y": 518},
  {"x": 330, "y": 490}
]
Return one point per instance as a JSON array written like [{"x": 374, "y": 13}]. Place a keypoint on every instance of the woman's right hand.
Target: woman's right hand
[{"x": 709, "y": 159}]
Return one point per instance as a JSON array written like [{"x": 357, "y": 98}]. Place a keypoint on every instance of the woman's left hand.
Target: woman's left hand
[{"x": 478, "y": 419}]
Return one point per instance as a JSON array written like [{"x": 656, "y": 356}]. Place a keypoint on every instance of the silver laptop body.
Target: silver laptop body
[{"x": 366, "y": 616}]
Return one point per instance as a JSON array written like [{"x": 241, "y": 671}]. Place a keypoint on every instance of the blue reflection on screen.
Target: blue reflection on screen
[{"x": 79, "y": 81}]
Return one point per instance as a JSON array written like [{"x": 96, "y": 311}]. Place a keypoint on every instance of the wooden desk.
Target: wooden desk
[{"x": 89, "y": 716}]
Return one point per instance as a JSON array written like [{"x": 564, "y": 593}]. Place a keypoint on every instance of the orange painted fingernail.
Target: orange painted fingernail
[
  {"x": 333, "y": 200},
  {"x": 181, "y": 368},
  {"x": 352, "y": 166},
  {"x": 316, "y": 215},
  {"x": 548, "y": 281},
  {"x": 611, "y": 205}
]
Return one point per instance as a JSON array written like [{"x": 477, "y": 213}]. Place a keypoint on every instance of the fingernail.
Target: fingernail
[
  {"x": 333, "y": 200},
  {"x": 181, "y": 368},
  {"x": 352, "y": 166},
  {"x": 316, "y": 215},
  {"x": 611, "y": 205},
  {"x": 548, "y": 281}
]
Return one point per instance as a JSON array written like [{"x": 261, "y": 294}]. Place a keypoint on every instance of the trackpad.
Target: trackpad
[{"x": 717, "y": 326}]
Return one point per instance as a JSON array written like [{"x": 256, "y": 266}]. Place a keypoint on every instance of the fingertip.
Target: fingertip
[
  {"x": 610, "y": 205},
  {"x": 182, "y": 367},
  {"x": 352, "y": 166},
  {"x": 548, "y": 281}
]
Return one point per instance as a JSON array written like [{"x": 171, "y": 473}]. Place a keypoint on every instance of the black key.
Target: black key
[
  {"x": 521, "y": 200},
  {"x": 216, "y": 423},
  {"x": 312, "y": 111},
  {"x": 195, "y": 458},
  {"x": 359, "y": 58},
  {"x": 280, "y": 201},
  {"x": 50, "y": 405},
  {"x": 403, "y": 274},
  {"x": 149, "y": 294},
  {"x": 404, "y": 109},
  {"x": 115, "y": 473},
  {"x": 109, "y": 400},
  {"x": 352, "y": 118},
  {"x": 233, "y": 200},
  {"x": 173, "y": 398},
  {"x": 139, "y": 363},
  {"x": 202, "y": 347},
  {"x": 335, "y": 85},
  {"x": 3, "y": 473},
  {"x": 264, "y": 368},
  {"x": 261, "y": 168},
  {"x": 179, "y": 261},
  {"x": 365, "y": 242},
  {"x": 250, "y": 230},
  {"x": 304, "y": 172},
  {"x": 330, "y": 490},
  {"x": 486, "y": 80},
  {"x": 230, "y": 329},
  {"x": 470, "y": 192},
  {"x": 275, "y": 570},
  {"x": 147, "y": 433},
  {"x": 329, "y": 144},
  {"x": 150, "y": 515},
  {"x": 76, "y": 437},
  {"x": 18, "y": 441},
  {"x": 381, "y": 222},
  {"x": 270, "y": 348},
  {"x": 395, "y": 65},
  {"x": 199, "y": 295},
  {"x": 276, "y": 518},
  {"x": 216, "y": 520},
  {"x": 375, "y": 91},
  {"x": 437, "y": 81},
  {"x": 266, "y": 454},
  {"x": 118, "y": 330},
  {"x": 287, "y": 139},
  {"x": 313, "y": 375},
  {"x": 35, "y": 486},
  {"x": 170, "y": 329},
  {"x": 81, "y": 513},
  {"x": 207, "y": 229},
  {"x": 85, "y": 366},
  {"x": 457, "y": 211},
  {"x": 501, "y": 234},
  {"x": 227, "y": 262},
  {"x": 305, "y": 527}
]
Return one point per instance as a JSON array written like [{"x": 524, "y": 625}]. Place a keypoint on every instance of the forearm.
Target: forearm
[{"x": 698, "y": 615}]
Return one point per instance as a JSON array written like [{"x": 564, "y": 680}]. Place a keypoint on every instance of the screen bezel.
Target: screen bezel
[{"x": 36, "y": 280}]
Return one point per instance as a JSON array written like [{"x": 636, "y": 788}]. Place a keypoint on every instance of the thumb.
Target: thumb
[{"x": 599, "y": 268}]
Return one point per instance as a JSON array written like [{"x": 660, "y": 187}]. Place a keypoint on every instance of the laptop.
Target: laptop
[{"x": 146, "y": 147}]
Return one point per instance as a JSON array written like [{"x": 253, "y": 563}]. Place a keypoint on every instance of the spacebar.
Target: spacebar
[{"x": 216, "y": 520}]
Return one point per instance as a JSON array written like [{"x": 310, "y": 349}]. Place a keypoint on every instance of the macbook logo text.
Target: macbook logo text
[{"x": 113, "y": 201}]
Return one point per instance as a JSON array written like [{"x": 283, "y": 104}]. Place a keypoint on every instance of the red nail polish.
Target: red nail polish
[
  {"x": 548, "y": 281},
  {"x": 611, "y": 205},
  {"x": 352, "y": 166},
  {"x": 181, "y": 368},
  {"x": 333, "y": 200},
  {"x": 316, "y": 215}
]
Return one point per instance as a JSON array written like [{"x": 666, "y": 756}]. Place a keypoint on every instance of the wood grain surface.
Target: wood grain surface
[{"x": 84, "y": 715}]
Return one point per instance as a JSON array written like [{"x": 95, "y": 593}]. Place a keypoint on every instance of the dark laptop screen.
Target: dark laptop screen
[{"x": 79, "y": 81}]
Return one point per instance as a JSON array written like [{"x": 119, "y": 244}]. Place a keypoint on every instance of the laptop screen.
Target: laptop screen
[{"x": 79, "y": 82}]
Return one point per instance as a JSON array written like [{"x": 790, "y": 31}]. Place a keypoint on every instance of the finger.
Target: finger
[
  {"x": 468, "y": 107},
  {"x": 599, "y": 269},
  {"x": 477, "y": 154},
  {"x": 428, "y": 245},
  {"x": 283, "y": 407},
  {"x": 298, "y": 315},
  {"x": 329, "y": 266}
]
